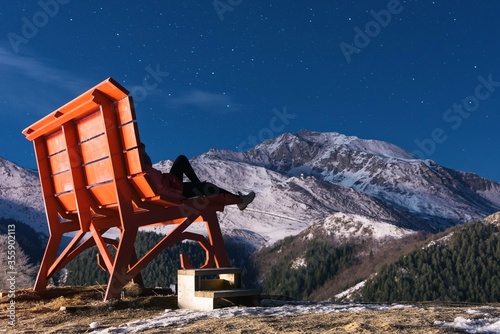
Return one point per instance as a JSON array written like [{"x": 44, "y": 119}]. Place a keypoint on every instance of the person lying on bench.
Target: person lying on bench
[{"x": 173, "y": 181}]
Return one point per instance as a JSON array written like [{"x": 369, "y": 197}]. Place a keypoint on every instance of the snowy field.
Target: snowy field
[{"x": 479, "y": 321}]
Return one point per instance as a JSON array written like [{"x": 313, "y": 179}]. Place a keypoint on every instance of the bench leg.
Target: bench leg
[
  {"x": 48, "y": 259},
  {"x": 137, "y": 278},
  {"x": 216, "y": 239},
  {"x": 119, "y": 276}
]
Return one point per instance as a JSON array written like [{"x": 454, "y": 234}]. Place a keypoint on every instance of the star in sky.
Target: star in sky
[{"x": 225, "y": 76}]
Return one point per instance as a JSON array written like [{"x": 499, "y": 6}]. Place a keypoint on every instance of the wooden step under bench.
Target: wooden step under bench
[{"x": 207, "y": 289}]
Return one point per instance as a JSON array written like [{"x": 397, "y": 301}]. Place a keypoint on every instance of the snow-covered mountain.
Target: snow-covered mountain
[
  {"x": 306, "y": 177},
  {"x": 342, "y": 227},
  {"x": 20, "y": 196}
]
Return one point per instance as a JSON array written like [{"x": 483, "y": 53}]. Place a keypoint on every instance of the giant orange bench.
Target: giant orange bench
[{"x": 93, "y": 180}]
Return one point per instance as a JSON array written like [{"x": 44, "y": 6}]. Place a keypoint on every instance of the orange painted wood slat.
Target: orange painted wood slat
[
  {"x": 90, "y": 126},
  {"x": 125, "y": 110},
  {"x": 142, "y": 186},
  {"x": 99, "y": 172},
  {"x": 59, "y": 162},
  {"x": 133, "y": 161},
  {"x": 130, "y": 136},
  {"x": 94, "y": 149},
  {"x": 68, "y": 201},
  {"x": 63, "y": 182},
  {"x": 55, "y": 143},
  {"x": 105, "y": 194}
]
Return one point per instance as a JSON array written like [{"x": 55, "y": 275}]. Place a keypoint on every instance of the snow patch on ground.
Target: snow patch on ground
[
  {"x": 349, "y": 292},
  {"x": 440, "y": 241},
  {"x": 177, "y": 319},
  {"x": 299, "y": 263},
  {"x": 180, "y": 318},
  {"x": 359, "y": 226},
  {"x": 482, "y": 325}
]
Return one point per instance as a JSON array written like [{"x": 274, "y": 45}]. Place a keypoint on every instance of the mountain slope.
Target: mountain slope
[
  {"x": 463, "y": 266},
  {"x": 20, "y": 196},
  {"x": 284, "y": 205},
  {"x": 330, "y": 256},
  {"x": 303, "y": 178},
  {"x": 422, "y": 194}
]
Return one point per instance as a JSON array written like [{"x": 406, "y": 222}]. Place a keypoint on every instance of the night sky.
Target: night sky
[{"x": 424, "y": 75}]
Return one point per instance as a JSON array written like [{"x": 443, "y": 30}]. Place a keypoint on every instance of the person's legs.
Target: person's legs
[
  {"x": 182, "y": 167},
  {"x": 193, "y": 189}
]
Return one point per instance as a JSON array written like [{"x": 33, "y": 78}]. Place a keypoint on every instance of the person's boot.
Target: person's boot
[{"x": 247, "y": 199}]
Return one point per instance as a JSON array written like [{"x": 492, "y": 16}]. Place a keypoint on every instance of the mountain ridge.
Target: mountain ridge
[
  {"x": 20, "y": 196},
  {"x": 378, "y": 169},
  {"x": 302, "y": 178}
]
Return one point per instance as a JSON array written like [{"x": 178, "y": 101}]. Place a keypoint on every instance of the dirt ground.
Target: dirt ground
[{"x": 71, "y": 310}]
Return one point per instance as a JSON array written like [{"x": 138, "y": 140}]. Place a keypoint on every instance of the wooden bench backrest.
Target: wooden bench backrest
[{"x": 87, "y": 146}]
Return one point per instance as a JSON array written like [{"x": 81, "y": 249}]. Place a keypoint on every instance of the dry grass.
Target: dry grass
[
  {"x": 72, "y": 309},
  {"x": 41, "y": 313}
]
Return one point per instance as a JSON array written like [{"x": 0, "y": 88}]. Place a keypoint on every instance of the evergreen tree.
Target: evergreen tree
[
  {"x": 162, "y": 270},
  {"x": 321, "y": 261},
  {"x": 464, "y": 269},
  {"x": 15, "y": 267},
  {"x": 28, "y": 239}
]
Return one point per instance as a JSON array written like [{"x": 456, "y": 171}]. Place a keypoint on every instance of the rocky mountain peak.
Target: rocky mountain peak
[
  {"x": 301, "y": 179},
  {"x": 493, "y": 219}
]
